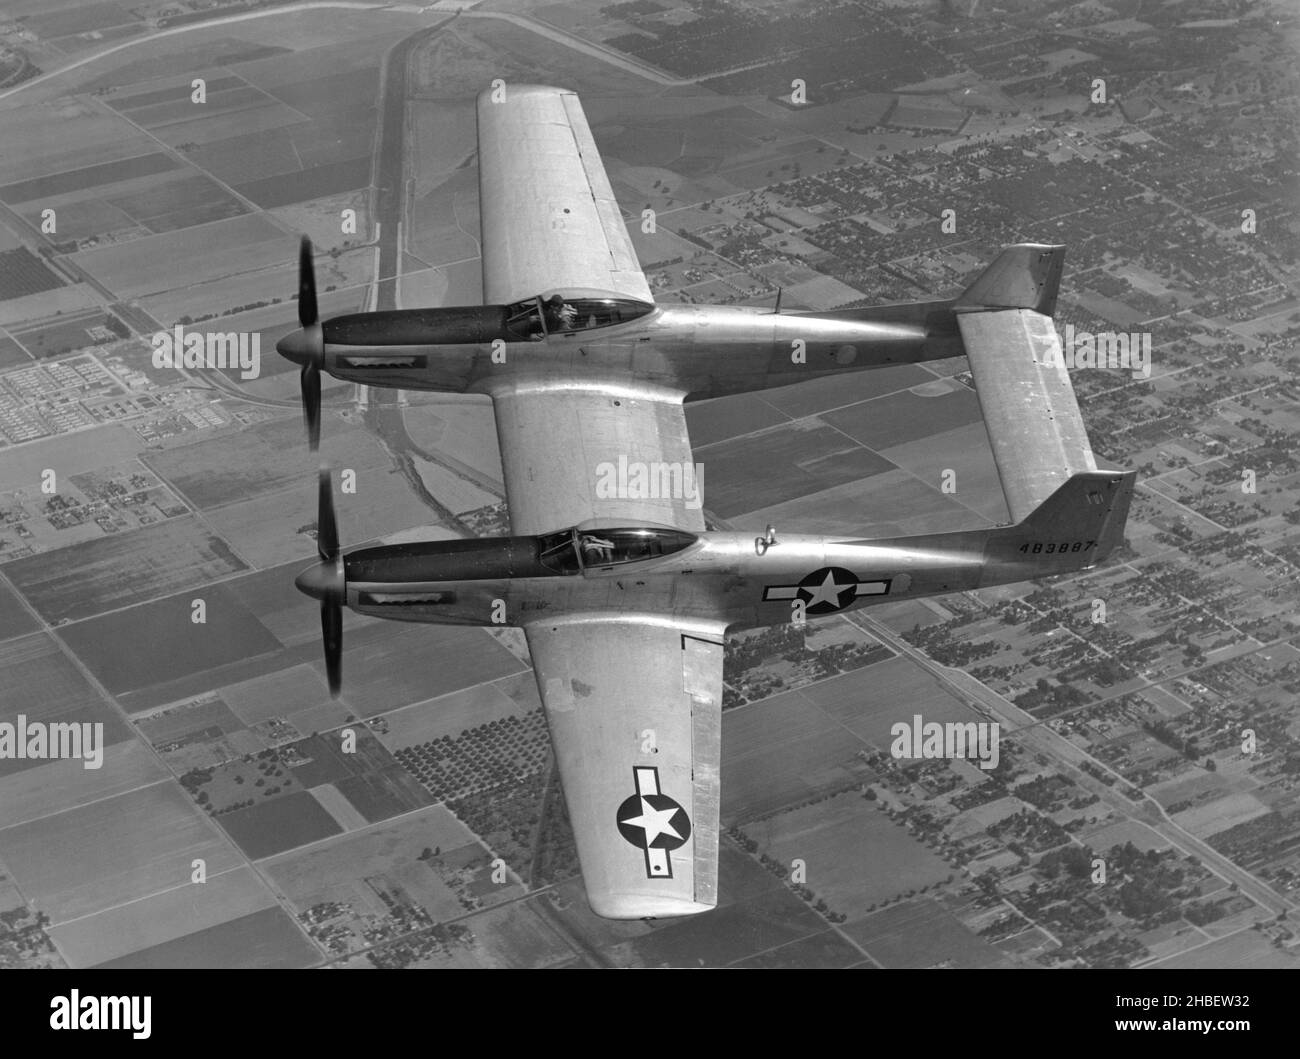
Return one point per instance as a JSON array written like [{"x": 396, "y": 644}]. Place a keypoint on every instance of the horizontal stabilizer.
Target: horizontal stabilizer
[
  {"x": 1024, "y": 276},
  {"x": 1038, "y": 438}
]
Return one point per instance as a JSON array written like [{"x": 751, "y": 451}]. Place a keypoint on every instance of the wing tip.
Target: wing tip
[
  {"x": 521, "y": 91},
  {"x": 645, "y": 906}
]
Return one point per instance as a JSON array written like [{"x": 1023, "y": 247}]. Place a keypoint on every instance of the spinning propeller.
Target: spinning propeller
[
  {"x": 327, "y": 580},
  {"x": 307, "y": 346}
]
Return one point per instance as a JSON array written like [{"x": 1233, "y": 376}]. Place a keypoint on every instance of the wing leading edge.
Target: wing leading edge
[{"x": 635, "y": 710}]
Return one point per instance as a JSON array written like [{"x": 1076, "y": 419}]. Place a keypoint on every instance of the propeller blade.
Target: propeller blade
[
  {"x": 311, "y": 403},
  {"x": 327, "y": 529},
  {"x": 307, "y": 312},
  {"x": 331, "y": 627}
]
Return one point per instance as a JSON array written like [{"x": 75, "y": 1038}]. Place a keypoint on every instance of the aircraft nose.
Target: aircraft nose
[
  {"x": 301, "y": 346},
  {"x": 321, "y": 581}
]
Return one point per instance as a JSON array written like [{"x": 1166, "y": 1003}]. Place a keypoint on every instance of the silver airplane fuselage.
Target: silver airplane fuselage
[
  {"x": 701, "y": 351},
  {"x": 732, "y": 578}
]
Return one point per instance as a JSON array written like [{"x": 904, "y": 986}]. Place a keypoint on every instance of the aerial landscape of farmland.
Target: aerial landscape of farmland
[{"x": 173, "y": 154}]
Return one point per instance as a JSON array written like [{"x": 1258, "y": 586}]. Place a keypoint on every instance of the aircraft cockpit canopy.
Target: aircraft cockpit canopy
[
  {"x": 559, "y": 313},
  {"x": 572, "y": 551}
]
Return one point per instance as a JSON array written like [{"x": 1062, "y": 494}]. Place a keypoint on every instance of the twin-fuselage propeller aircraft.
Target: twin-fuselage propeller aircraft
[{"x": 624, "y": 595}]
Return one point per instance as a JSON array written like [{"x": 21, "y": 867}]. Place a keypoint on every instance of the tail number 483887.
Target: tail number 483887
[{"x": 1056, "y": 547}]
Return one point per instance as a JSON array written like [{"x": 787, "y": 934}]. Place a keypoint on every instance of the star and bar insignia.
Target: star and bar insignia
[
  {"x": 826, "y": 590},
  {"x": 653, "y": 822}
]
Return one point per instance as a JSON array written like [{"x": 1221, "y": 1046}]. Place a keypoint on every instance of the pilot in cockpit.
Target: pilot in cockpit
[
  {"x": 560, "y": 315},
  {"x": 596, "y": 550}
]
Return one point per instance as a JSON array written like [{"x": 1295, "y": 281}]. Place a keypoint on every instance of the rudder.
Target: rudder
[{"x": 1075, "y": 528}]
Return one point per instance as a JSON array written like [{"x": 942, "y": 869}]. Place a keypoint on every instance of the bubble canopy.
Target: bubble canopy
[
  {"x": 573, "y": 550},
  {"x": 560, "y": 312}
]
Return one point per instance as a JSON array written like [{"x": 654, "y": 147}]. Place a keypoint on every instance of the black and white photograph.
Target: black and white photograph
[{"x": 650, "y": 484}]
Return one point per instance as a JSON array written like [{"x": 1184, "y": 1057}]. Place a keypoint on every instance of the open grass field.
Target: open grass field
[
  {"x": 247, "y": 155},
  {"x": 723, "y": 418},
  {"x": 904, "y": 616},
  {"x": 225, "y": 293},
  {"x": 345, "y": 814},
  {"x": 514, "y": 935},
  {"x": 58, "y": 786},
  {"x": 339, "y": 870},
  {"x": 88, "y": 177},
  {"x": 392, "y": 664},
  {"x": 15, "y": 619},
  {"x": 315, "y": 182},
  {"x": 12, "y": 355},
  {"x": 200, "y": 717},
  {"x": 87, "y": 135},
  {"x": 281, "y": 823},
  {"x": 43, "y": 684},
  {"x": 213, "y": 131},
  {"x": 854, "y": 855},
  {"x": 82, "y": 19},
  {"x": 208, "y": 51},
  {"x": 460, "y": 283},
  {"x": 827, "y": 949},
  {"x": 729, "y": 934},
  {"x": 161, "y": 262},
  {"x": 758, "y": 471},
  {"x": 280, "y": 694},
  {"x": 779, "y": 751},
  {"x": 80, "y": 218},
  {"x": 272, "y": 322},
  {"x": 868, "y": 701},
  {"x": 100, "y": 575},
  {"x": 966, "y": 452},
  {"x": 463, "y": 430},
  {"x": 342, "y": 93},
  {"x": 162, "y": 918},
  {"x": 922, "y": 933},
  {"x": 56, "y": 337},
  {"x": 892, "y": 503},
  {"x": 267, "y": 531},
  {"x": 452, "y": 714},
  {"x": 112, "y": 851},
  {"x": 1245, "y": 949},
  {"x": 268, "y": 938},
  {"x": 903, "y": 416},
  {"x": 224, "y": 96},
  {"x": 196, "y": 683},
  {"x": 267, "y": 458},
  {"x": 369, "y": 777},
  {"x": 270, "y": 594},
  {"x": 130, "y": 100},
  {"x": 839, "y": 391},
  {"x": 180, "y": 203}
]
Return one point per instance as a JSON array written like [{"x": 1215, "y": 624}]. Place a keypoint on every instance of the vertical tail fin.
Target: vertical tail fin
[
  {"x": 1075, "y": 528},
  {"x": 1024, "y": 276}
]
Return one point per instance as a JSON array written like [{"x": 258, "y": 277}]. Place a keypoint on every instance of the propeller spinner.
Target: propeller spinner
[{"x": 327, "y": 582}]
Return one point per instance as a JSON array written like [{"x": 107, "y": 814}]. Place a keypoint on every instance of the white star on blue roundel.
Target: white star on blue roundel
[
  {"x": 826, "y": 590},
  {"x": 653, "y": 822}
]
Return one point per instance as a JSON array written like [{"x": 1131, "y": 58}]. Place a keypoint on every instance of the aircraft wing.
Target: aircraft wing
[
  {"x": 549, "y": 218},
  {"x": 634, "y": 705},
  {"x": 571, "y": 454}
]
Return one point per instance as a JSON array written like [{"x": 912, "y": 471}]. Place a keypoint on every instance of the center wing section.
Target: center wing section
[
  {"x": 634, "y": 705},
  {"x": 572, "y": 454},
  {"x": 549, "y": 217}
]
